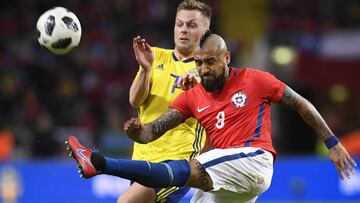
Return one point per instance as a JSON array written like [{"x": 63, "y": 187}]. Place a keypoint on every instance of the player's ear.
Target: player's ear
[{"x": 228, "y": 57}]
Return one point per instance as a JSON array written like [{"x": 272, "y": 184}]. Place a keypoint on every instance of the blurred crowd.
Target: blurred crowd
[
  {"x": 43, "y": 97},
  {"x": 324, "y": 37}
]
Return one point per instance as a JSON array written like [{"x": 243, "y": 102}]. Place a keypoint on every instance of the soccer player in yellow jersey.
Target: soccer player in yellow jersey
[{"x": 153, "y": 90}]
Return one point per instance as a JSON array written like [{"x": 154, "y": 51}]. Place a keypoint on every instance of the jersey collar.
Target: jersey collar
[{"x": 184, "y": 61}]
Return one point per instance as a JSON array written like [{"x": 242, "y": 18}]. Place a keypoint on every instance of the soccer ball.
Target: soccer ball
[{"x": 59, "y": 30}]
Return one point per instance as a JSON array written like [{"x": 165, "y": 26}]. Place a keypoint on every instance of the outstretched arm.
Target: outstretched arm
[
  {"x": 151, "y": 131},
  {"x": 337, "y": 153},
  {"x": 140, "y": 87}
]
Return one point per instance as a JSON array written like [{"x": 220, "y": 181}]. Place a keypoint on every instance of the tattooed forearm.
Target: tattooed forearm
[
  {"x": 158, "y": 127},
  {"x": 166, "y": 122},
  {"x": 307, "y": 111}
]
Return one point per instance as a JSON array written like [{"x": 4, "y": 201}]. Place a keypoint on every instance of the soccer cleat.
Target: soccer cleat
[{"x": 82, "y": 155}]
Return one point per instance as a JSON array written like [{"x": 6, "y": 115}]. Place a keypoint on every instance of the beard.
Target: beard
[{"x": 212, "y": 85}]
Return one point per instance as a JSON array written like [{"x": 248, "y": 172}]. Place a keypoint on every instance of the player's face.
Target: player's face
[
  {"x": 190, "y": 25},
  {"x": 211, "y": 66}
]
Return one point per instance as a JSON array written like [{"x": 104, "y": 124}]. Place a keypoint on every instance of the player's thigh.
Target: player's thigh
[
  {"x": 247, "y": 170},
  {"x": 137, "y": 193},
  {"x": 170, "y": 194},
  {"x": 202, "y": 197},
  {"x": 199, "y": 178}
]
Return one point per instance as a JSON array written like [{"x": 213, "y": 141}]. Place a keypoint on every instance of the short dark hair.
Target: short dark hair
[
  {"x": 195, "y": 5},
  {"x": 204, "y": 38}
]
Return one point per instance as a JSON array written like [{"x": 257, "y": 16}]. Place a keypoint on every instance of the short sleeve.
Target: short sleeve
[
  {"x": 181, "y": 104},
  {"x": 272, "y": 88},
  {"x": 156, "y": 55}
]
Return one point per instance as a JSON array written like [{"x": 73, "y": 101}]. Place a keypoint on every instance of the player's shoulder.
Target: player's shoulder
[
  {"x": 254, "y": 72},
  {"x": 162, "y": 54},
  {"x": 195, "y": 91},
  {"x": 251, "y": 70},
  {"x": 162, "y": 51}
]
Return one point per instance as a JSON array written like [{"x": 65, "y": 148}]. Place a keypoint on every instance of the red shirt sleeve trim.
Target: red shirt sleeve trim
[{"x": 279, "y": 93}]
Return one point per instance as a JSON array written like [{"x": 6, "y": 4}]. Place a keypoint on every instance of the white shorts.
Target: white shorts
[{"x": 245, "y": 172}]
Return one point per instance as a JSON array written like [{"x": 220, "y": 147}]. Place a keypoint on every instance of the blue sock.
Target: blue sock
[{"x": 173, "y": 173}]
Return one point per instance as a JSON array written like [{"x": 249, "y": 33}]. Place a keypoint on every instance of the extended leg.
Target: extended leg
[{"x": 173, "y": 173}]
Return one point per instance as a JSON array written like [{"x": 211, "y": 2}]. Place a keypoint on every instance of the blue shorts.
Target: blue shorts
[{"x": 170, "y": 194}]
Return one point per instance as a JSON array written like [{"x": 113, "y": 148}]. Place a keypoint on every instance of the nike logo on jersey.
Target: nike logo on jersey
[
  {"x": 202, "y": 109},
  {"x": 80, "y": 152}
]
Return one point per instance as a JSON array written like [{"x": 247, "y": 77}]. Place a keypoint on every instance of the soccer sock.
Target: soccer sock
[
  {"x": 98, "y": 161},
  {"x": 173, "y": 173}
]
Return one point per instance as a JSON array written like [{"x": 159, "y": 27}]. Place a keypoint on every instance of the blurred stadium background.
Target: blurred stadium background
[{"x": 314, "y": 46}]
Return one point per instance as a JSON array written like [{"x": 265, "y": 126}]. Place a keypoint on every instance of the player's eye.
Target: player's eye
[
  {"x": 179, "y": 24},
  {"x": 198, "y": 62},
  {"x": 210, "y": 61},
  {"x": 193, "y": 25}
]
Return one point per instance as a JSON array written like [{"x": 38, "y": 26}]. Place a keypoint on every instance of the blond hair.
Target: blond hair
[{"x": 204, "y": 9}]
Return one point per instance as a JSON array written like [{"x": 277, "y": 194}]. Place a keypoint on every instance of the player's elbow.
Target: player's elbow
[{"x": 134, "y": 102}]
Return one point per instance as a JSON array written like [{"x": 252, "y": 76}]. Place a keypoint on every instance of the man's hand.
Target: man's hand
[
  {"x": 186, "y": 82},
  {"x": 133, "y": 128},
  {"x": 143, "y": 53},
  {"x": 342, "y": 160}
]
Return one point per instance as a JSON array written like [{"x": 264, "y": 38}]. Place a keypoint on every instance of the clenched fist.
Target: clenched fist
[{"x": 133, "y": 128}]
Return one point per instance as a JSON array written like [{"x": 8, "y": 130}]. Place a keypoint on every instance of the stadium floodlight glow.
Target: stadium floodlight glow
[
  {"x": 339, "y": 93},
  {"x": 282, "y": 55}
]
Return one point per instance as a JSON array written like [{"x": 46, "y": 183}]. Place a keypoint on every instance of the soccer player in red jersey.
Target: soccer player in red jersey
[{"x": 233, "y": 105}]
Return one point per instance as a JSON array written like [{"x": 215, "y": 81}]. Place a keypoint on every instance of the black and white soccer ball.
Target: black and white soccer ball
[{"x": 59, "y": 30}]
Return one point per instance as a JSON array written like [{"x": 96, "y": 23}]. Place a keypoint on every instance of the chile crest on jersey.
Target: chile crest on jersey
[{"x": 239, "y": 99}]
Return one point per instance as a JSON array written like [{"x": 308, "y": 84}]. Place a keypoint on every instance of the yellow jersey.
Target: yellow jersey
[{"x": 183, "y": 141}]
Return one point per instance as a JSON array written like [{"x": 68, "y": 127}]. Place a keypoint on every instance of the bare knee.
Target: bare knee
[
  {"x": 137, "y": 193},
  {"x": 125, "y": 198},
  {"x": 199, "y": 178},
  {"x": 136, "y": 198},
  {"x": 122, "y": 198}
]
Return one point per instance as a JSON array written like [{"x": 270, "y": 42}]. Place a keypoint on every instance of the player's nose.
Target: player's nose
[{"x": 184, "y": 29}]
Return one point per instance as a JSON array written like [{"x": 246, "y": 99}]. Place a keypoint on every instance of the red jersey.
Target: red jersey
[{"x": 239, "y": 114}]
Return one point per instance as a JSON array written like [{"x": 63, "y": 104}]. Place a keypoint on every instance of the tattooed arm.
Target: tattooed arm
[
  {"x": 307, "y": 111},
  {"x": 151, "y": 131},
  {"x": 338, "y": 154}
]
